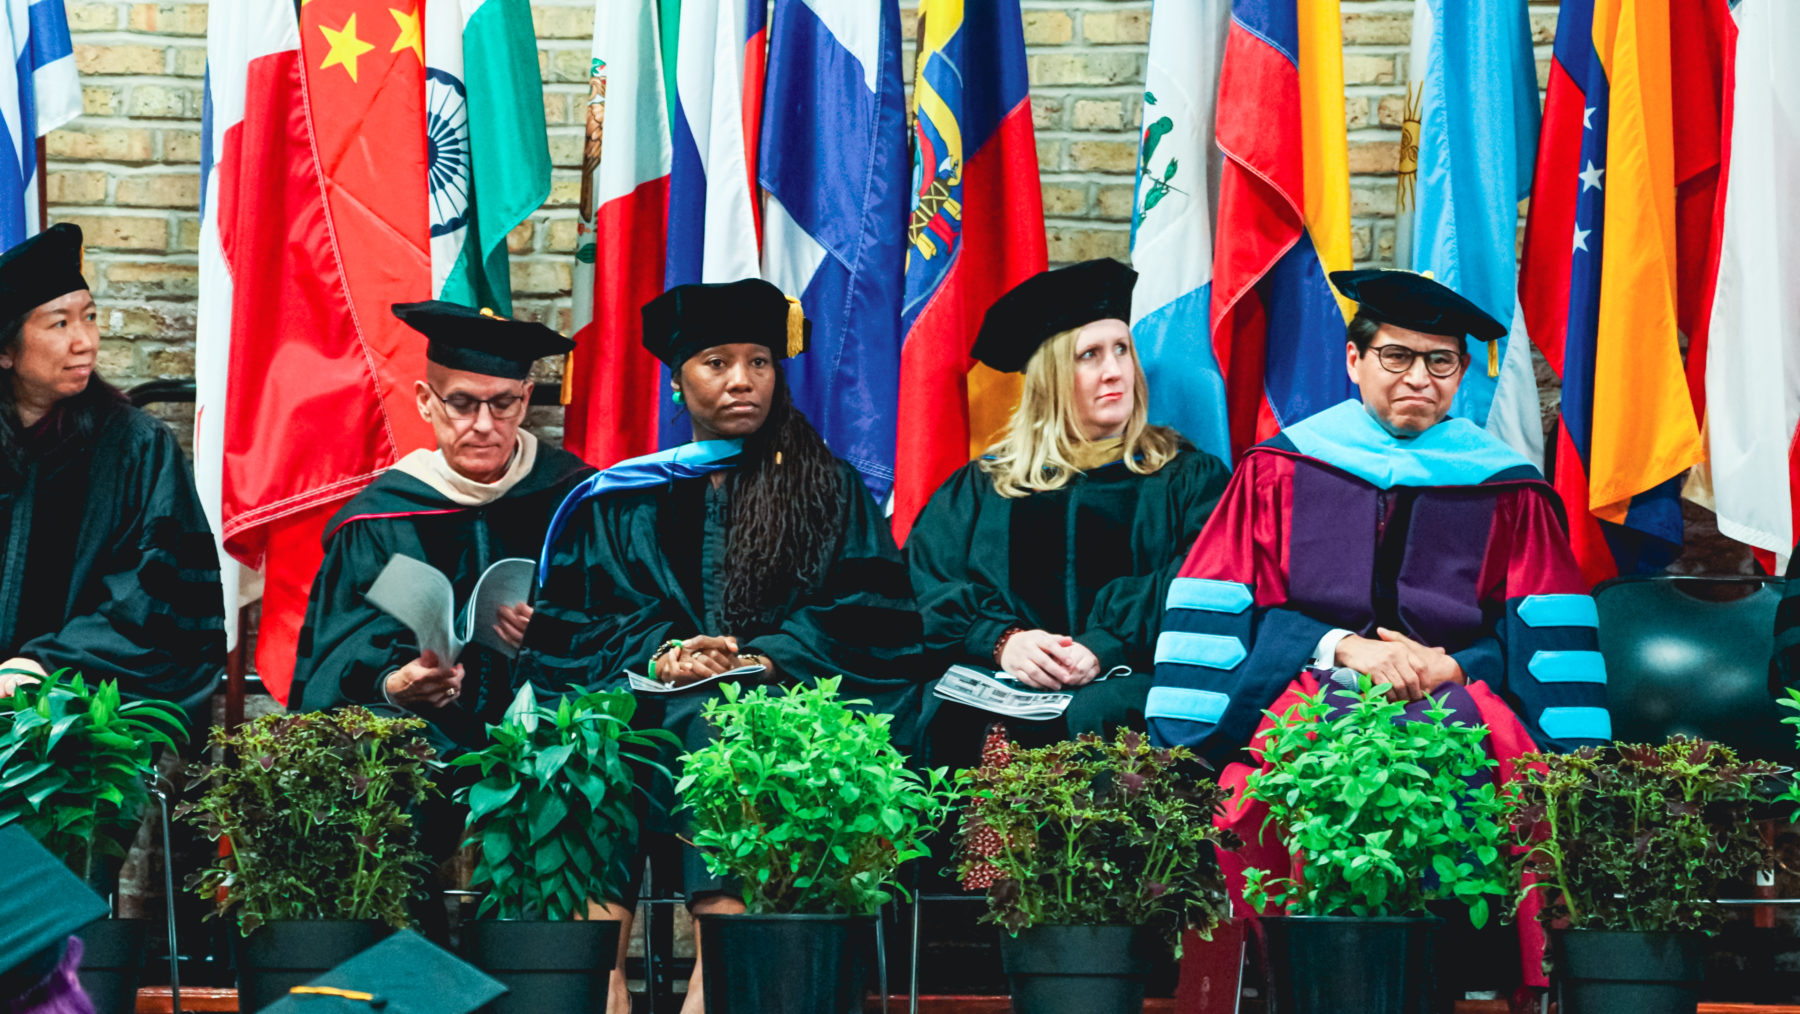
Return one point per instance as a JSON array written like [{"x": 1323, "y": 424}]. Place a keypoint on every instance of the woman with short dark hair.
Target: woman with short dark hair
[{"x": 110, "y": 569}]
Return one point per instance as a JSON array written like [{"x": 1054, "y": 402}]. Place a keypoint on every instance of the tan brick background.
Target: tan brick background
[{"x": 127, "y": 170}]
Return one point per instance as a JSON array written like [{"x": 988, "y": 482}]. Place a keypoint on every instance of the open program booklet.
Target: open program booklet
[
  {"x": 1003, "y": 694},
  {"x": 420, "y": 596},
  {"x": 650, "y": 686}
]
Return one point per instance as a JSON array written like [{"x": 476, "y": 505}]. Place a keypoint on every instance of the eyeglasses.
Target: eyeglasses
[
  {"x": 1438, "y": 362},
  {"x": 463, "y": 408}
]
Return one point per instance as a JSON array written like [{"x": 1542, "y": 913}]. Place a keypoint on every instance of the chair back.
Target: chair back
[{"x": 1690, "y": 655}]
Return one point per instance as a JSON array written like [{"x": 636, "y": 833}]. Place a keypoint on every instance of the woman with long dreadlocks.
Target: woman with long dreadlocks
[{"x": 753, "y": 546}]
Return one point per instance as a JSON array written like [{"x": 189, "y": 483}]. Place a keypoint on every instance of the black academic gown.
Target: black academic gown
[
  {"x": 348, "y": 645},
  {"x": 1784, "y": 668},
  {"x": 636, "y": 568},
  {"x": 110, "y": 568},
  {"x": 1092, "y": 560}
]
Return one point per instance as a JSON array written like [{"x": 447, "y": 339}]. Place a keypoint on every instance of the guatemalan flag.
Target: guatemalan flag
[
  {"x": 1599, "y": 281},
  {"x": 977, "y": 230},
  {"x": 834, "y": 165},
  {"x": 1284, "y": 216},
  {"x": 1171, "y": 225},
  {"x": 40, "y": 95},
  {"x": 1471, "y": 134}
]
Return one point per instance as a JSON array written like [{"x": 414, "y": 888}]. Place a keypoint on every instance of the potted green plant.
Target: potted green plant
[
  {"x": 1629, "y": 846},
  {"x": 316, "y": 813},
  {"x": 1097, "y": 856},
  {"x": 74, "y": 760},
  {"x": 553, "y": 825},
  {"x": 805, "y": 802},
  {"x": 1386, "y": 819}
]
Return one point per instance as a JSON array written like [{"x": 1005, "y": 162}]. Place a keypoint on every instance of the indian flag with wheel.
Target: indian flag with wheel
[{"x": 488, "y": 148}]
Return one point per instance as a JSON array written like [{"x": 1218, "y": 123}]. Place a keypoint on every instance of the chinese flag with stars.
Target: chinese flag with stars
[{"x": 363, "y": 73}]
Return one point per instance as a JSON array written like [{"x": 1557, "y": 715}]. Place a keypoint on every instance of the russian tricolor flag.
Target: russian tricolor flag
[
  {"x": 834, "y": 166},
  {"x": 1284, "y": 216}
]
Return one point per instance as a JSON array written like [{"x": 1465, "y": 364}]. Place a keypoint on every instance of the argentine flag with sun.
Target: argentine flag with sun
[{"x": 489, "y": 152}]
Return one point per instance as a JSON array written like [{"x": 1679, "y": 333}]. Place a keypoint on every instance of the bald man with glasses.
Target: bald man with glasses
[{"x": 485, "y": 493}]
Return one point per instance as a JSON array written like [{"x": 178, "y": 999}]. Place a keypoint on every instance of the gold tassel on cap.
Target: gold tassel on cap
[
  {"x": 1493, "y": 358},
  {"x": 796, "y": 328}
]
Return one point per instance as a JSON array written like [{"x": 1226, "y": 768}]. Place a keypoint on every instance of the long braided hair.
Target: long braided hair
[{"x": 786, "y": 512}]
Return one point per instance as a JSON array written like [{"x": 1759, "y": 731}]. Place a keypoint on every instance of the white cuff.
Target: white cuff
[
  {"x": 382, "y": 683},
  {"x": 1325, "y": 655}
]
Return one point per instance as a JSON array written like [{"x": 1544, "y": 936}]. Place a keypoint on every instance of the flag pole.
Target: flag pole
[{"x": 43, "y": 194}]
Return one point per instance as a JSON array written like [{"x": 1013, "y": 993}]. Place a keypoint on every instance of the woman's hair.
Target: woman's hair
[
  {"x": 786, "y": 512},
  {"x": 1036, "y": 453},
  {"x": 78, "y": 416}
]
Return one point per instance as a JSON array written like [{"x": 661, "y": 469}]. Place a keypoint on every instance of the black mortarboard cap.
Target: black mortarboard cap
[
  {"x": 404, "y": 974},
  {"x": 1049, "y": 303},
  {"x": 480, "y": 341},
  {"x": 44, "y": 903},
  {"x": 1416, "y": 302},
  {"x": 40, "y": 269},
  {"x": 688, "y": 318}
]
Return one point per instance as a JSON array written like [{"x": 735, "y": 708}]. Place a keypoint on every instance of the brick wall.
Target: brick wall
[{"x": 127, "y": 170}]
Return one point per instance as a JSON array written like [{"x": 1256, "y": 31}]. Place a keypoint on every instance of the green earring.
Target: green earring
[{"x": 677, "y": 396}]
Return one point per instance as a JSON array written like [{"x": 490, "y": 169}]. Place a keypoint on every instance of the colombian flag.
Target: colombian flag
[
  {"x": 1284, "y": 216},
  {"x": 1599, "y": 283}
]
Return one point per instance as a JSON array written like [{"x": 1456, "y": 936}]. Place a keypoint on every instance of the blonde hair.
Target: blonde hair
[{"x": 1038, "y": 450}]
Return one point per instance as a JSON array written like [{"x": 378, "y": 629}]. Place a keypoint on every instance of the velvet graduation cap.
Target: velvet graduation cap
[
  {"x": 1416, "y": 302},
  {"x": 1049, "y": 303},
  {"x": 688, "y": 318},
  {"x": 40, "y": 269},
  {"x": 480, "y": 341},
  {"x": 44, "y": 904},
  {"x": 404, "y": 974}
]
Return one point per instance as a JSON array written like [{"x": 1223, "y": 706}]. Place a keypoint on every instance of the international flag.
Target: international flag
[
  {"x": 1171, "y": 224},
  {"x": 676, "y": 87},
  {"x": 1284, "y": 216},
  {"x": 1599, "y": 283},
  {"x": 834, "y": 165},
  {"x": 1469, "y": 141},
  {"x": 39, "y": 92},
  {"x": 977, "y": 230},
  {"x": 489, "y": 150},
  {"x": 612, "y": 387},
  {"x": 1751, "y": 372},
  {"x": 310, "y": 230}
]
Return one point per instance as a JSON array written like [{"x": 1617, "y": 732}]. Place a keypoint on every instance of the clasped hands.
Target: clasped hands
[
  {"x": 12, "y": 681},
  {"x": 427, "y": 681},
  {"x": 1049, "y": 661},
  {"x": 1409, "y": 669},
  {"x": 692, "y": 659}
]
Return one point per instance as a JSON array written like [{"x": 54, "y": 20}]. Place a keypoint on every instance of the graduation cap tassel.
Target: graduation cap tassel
[
  {"x": 1493, "y": 358},
  {"x": 796, "y": 328}
]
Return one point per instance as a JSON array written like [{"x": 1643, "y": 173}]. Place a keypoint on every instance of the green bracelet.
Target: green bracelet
[{"x": 673, "y": 642}]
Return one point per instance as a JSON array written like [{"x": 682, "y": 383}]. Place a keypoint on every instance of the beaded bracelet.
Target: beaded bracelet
[
  {"x": 1000, "y": 645},
  {"x": 661, "y": 650}
]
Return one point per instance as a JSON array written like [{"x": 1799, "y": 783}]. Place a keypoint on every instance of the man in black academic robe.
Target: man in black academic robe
[
  {"x": 110, "y": 569},
  {"x": 486, "y": 493}
]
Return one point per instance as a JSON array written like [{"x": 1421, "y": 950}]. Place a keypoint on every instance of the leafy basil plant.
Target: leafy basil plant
[
  {"x": 318, "y": 811},
  {"x": 1386, "y": 816},
  {"x": 1639, "y": 837},
  {"x": 552, "y": 816},
  {"x": 74, "y": 760},
  {"x": 806, "y": 802}
]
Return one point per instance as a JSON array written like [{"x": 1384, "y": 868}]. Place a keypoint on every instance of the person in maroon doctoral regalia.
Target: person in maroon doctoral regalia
[{"x": 1385, "y": 538}]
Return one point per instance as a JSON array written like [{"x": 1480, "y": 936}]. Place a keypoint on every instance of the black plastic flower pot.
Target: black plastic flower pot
[
  {"x": 282, "y": 954},
  {"x": 1078, "y": 969},
  {"x": 785, "y": 964},
  {"x": 545, "y": 966},
  {"x": 1622, "y": 972},
  {"x": 112, "y": 956},
  {"x": 1339, "y": 964}
]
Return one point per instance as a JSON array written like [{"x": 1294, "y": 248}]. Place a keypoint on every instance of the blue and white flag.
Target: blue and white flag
[
  {"x": 1470, "y": 140},
  {"x": 835, "y": 166},
  {"x": 40, "y": 95},
  {"x": 1171, "y": 226}
]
